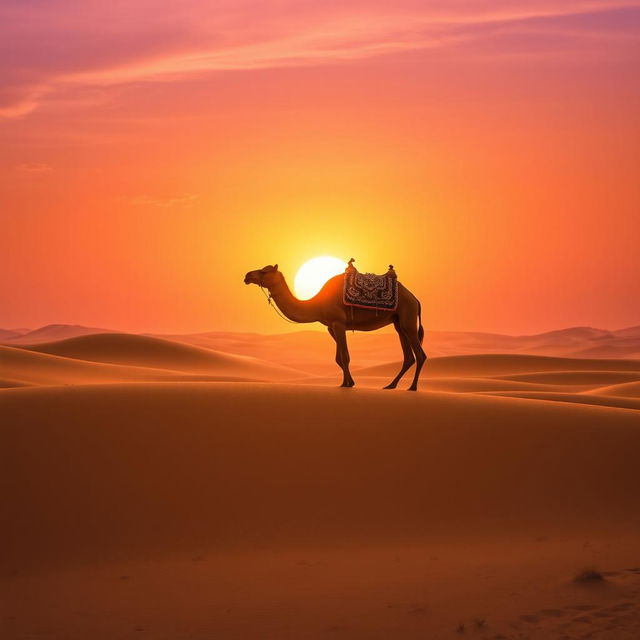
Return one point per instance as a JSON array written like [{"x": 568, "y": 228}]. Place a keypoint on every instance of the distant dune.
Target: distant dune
[
  {"x": 629, "y": 332},
  {"x": 52, "y": 332},
  {"x": 8, "y": 334},
  {"x": 621, "y": 348}
]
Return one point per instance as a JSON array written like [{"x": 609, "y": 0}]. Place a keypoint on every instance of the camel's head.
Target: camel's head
[{"x": 265, "y": 277}]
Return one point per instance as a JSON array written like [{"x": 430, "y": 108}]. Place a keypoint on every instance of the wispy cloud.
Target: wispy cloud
[
  {"x": 34, "y": 167},
  {"x": 165, "y": 202},
  {"x": 87, "y": 44}
]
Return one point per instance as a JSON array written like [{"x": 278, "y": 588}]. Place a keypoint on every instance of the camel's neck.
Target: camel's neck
[{"x": 294, "y": 309}]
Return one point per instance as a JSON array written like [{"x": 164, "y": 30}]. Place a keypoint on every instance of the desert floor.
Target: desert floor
[{"x": 222, "y": 486}]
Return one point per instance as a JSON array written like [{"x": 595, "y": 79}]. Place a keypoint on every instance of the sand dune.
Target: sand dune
[
  {"x": 145, "y": 351},
  {"x": 23, "y": 367}
]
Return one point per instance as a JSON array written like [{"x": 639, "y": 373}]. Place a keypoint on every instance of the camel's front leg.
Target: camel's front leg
[
  {"x": 338, "y": 357},
  {"x": 339, "y": 333}
]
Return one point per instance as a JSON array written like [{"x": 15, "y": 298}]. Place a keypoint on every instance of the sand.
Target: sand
[{"x": 152, "y": 493}]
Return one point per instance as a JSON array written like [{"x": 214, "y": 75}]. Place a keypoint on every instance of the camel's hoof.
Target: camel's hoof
[
  {"x": 412, "y": 389},
  {"x": 390, "y": 386}
]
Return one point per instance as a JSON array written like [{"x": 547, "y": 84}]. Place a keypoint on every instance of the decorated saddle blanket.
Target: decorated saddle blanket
[{"x": 369, "y": 291}]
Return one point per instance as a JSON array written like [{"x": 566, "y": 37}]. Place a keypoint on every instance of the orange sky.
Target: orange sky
[{"x": 151, "y": 155}]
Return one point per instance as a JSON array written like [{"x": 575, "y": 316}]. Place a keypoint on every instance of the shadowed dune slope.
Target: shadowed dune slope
[
  {"x": 503, "y": 364},
  {"x": 146, "y": 351},
  {"x": 122, "y": 469},
  {"x": 24, "y": 367}
]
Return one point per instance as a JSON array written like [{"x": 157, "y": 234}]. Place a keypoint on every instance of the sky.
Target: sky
[{"x": 151, "y": 153}]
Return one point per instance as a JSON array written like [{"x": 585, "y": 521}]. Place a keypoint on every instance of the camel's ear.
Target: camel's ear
[{"x": 275, "y": 267}]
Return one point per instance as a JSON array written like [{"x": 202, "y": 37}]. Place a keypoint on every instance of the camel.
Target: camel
[{"x": 328, "y": 308}]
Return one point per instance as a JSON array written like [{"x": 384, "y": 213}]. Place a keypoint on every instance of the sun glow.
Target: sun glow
[{"x": 314, "y": 273}]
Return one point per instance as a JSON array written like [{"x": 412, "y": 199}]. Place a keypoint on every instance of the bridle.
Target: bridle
[{"x": 273, "y": 306}]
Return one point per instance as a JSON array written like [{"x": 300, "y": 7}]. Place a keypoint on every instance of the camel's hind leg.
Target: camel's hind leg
[
  {"x": 408, "y": 355},
  {"x": 410, "y": 330}
]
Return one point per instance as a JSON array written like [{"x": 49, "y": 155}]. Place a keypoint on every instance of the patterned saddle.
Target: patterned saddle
[{"x": 370, "y": 291}]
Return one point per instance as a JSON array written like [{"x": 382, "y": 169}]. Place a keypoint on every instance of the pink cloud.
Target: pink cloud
[{"x": 91, "y": 43}]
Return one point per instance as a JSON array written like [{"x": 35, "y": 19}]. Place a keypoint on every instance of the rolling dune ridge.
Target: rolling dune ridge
[
  {"x": 26, "y": 368},
  {"x": 145, "y": 351}
]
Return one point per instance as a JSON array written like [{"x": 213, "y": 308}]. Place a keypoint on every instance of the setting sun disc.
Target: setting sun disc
[{"x": 314, "y": 273}]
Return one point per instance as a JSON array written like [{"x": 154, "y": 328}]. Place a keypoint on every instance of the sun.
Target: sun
[{"x": 314, "y": 273}]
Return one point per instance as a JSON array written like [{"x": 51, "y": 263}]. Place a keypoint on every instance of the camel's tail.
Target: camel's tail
[{"x": 420, "y": 327}]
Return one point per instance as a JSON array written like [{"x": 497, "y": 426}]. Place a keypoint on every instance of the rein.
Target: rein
[{"x": 274, "y": 307}]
